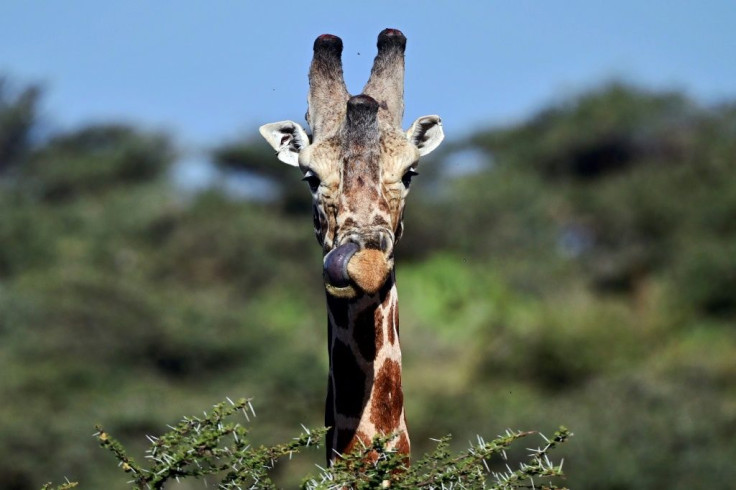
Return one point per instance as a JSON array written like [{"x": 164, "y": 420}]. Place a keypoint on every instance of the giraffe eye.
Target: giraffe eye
[
  {"x": 406, "y": 179},
  {"x": 312, "y": 180}
]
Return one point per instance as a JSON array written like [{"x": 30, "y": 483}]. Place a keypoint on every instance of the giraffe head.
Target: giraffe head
[{"x": 358, "y": 162}]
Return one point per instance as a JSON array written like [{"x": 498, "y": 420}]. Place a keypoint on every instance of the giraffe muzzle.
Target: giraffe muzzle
[{"x": 349, "y": 269}]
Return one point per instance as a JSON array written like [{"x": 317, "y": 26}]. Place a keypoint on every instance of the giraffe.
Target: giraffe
[{"x": 358, "y": 165}]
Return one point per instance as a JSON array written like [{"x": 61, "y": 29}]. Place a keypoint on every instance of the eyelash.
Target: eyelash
[
  {"x": 312, "y": 180},
  {"x": 408, "y": 175}
]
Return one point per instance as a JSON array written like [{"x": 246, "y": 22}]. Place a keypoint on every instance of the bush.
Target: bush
[{"x": 216, "y": 448}]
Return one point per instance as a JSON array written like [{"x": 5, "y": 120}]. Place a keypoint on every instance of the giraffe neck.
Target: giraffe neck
[{"x": 364, "y": 397}]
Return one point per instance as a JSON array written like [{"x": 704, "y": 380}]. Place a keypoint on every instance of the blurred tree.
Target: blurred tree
[
  {"x": 256, "y": 158},
  {"x": 18, "y": 114},
  {"x": 627, "y": 176},
  {"x": 94, "y": 158},
  {"x": 599, "y": 133}
]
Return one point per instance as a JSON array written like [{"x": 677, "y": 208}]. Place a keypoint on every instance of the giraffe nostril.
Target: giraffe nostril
[
  {"x": 385, "y": 243},
  {"x": 336, "y": 264}
]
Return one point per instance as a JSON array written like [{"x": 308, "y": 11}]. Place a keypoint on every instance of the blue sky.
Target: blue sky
[{"x": 211, "y": 71}]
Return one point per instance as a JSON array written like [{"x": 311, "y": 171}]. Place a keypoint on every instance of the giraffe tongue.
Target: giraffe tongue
[{"x": 336, "y": 264}]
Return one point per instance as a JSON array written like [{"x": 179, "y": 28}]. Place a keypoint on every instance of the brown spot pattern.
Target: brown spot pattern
[
  {"x": 379, "y": 220},
  {"x": 378, "y": 326},
  {"x": 402, "y": 446},
  {"x": 388, "y": 399},
  {"x": 392, "y": 324}
]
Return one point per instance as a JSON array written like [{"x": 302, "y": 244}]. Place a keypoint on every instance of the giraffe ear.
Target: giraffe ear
[
  {"x": 426, "y": 133},
  {"x": 287, "y": 138}
]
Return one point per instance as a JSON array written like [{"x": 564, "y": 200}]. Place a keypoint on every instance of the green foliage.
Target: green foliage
[
  {"x": 92, "y": 159},
  {"x": 17, "y": 119},
  {"x": 631, "y": 184},
  {"x": 376, "y": 466},
  {"x": 599, "y": 134},
  {"x": 63, "y": 486},
  {"x": 211, "y": 445},
  {"x": 215, "y": 446}
]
